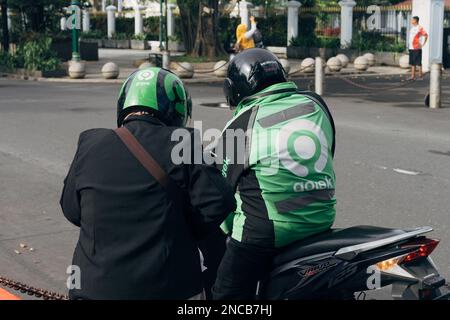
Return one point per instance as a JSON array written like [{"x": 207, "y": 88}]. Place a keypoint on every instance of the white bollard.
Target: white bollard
[
  {"x": 320, "y": 76},
  {"x": 346, "y": 22},
  {"x": 435, "y": 86},
  {"x": 171, "y": 20},
  {"x": 244, "y": 12},
  {"x": 138, "y": 22},
  {"x": 111, "y": 15},
  {"x": 166, "y": 60},
  {"x": 86, "y": 20},
  {"x": 292, "y": 28}
]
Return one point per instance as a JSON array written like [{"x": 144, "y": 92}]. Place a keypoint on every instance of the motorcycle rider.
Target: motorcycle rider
[
  {"x": 284, "y": 177},
  {"x": 138, "y": 239}
]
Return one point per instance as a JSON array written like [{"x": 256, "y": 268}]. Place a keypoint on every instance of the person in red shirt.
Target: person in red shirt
[{"x": 417, "y": 40}]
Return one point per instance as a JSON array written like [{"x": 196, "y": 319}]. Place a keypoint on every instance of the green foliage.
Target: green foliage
[
  {"x": 121, "y": 36},
  {"x": 140, "y": 37},
  {"x": 6, "y": 61},
  {"x": 37, "y": 55},
  {"x": 375, "y": 41},
  {"x": 316, "y": 42},
  {"x": 93, "y": 34}
]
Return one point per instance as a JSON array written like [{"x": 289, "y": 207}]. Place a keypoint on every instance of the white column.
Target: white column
[
  {"x": 111, "y": 16},
  {"x": 346, "y": 22},
  {"x": 63, "y": 23},
  {"x": 431, "y": 14},
  {"x": 104, "y": 5},
  {"x": 119, "y": 5},
  {"x": 138, "y": 22},
  {"x": 8, "y": 12},
  {"x": 292, "y": 28},
  {"x": 244, "y": 12},
  {"x": 171, "y": 20},
  {"x": 86, "y": 20}
]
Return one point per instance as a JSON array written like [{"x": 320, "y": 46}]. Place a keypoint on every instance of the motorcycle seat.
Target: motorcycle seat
[{"x": 333, "y": 240}]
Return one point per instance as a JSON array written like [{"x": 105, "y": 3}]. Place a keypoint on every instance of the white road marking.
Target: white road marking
[{"x": 411, "y": 173}]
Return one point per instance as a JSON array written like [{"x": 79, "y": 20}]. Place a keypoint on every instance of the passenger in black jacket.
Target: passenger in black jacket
[{"x": 138, "y": 241}]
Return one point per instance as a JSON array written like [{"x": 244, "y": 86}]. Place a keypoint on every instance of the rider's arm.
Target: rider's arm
[
  {"x": 211, "y": 198},
  {"x": 70, "y": 200}
]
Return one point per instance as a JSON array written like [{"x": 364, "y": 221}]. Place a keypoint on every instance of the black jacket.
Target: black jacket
[{"x": 135, "y": 242}]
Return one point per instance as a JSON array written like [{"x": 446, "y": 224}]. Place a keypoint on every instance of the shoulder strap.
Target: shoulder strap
[{"x": 147, "y": 161}]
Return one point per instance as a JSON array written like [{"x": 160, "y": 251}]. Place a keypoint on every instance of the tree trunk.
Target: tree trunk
[
  {"x": 188, "y": 23},
  {"x": 206, "y": 42},
  {"x": 5, "y": 37}
]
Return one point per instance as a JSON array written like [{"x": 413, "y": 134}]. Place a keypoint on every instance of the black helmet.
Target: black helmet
[{"x": 250, "y": 72}]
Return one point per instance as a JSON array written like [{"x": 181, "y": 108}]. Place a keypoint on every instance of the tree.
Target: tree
[
  {"x": 200, "y": 22},
  {"x": 37, "y": 15},
  {"x": 5, "y": 31}
]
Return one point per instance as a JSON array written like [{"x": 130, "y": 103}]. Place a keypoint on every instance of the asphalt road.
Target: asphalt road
[{"x": 392, "y": 163}]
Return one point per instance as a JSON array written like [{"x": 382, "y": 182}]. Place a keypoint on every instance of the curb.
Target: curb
[{"x": 206, "y": 80}]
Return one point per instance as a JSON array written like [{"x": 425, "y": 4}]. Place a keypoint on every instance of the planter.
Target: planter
[
  {"x": 350, "y": 53},
  {"x": 123, "y": 44},
  {"x": 297, "y": 52},
  {"x": 40, "y": 74},
  {"x": 89, "y": 51},
  {"x": 139, "y": 44},
  {"x": 388, "y": 58},
  {"x": 99, "y": 42},
  {"x": 304, "y": 52},
  {"x": 324, "y": 53},
  {"x": 176, "y": 46},
  {"x": 109, "y": 43},
  {"x": 63, "y": 49}
]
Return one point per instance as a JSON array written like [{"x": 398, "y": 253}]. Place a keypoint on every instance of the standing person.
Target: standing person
[
  {"x": 417, "y": 40},
  {"x": 139, "y": 227},
  {"x": 283, "y": 174},
  {"x": 245, "y": 38}
]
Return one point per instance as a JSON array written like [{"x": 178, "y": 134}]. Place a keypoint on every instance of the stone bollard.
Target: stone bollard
[
  {"x": 371, "y": 59},
  {"x": 286, "y": 65},
  {"x": 77, "y": 70},
  {"x": 344, "y": 60},
  {"x": 361, "y": 64},
  {"x": 184, "y": 70},
  {"x": 221, "y": 69},
  {"x": 308, "y": 65},
  {"x": 334, "y": 64},
  {"x": 146, "y": 65},
  {"x": 110, "y": 71}
]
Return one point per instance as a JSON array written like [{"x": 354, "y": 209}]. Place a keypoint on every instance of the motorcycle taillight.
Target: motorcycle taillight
[{"x": 423, "y": 248}]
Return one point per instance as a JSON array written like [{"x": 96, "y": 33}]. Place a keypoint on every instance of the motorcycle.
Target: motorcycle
[{"x": 341, "y": 263}]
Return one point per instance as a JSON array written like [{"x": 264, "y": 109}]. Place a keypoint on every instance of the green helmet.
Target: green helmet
[{"x": 158, "y": 91}]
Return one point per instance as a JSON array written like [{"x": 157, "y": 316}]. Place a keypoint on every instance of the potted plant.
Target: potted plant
[
  {"x": 40, "y": 60},
  {"x": 95, "y": 36},
  {"x": 139, "y": 42},
  {"x": 122, "y": 40}
]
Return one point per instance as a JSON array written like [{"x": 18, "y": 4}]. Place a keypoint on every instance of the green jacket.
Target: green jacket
[{"x": 283, "y": 176}]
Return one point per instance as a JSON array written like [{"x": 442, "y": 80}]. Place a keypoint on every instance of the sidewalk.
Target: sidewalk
[{"x": 129, "y": 60}]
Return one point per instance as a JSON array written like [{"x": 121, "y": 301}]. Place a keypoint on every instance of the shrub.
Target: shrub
[
  {"x": 37, "y": 55},
  {"x": 95, "y": 34},
  {"x": 375, "y": 41}
]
